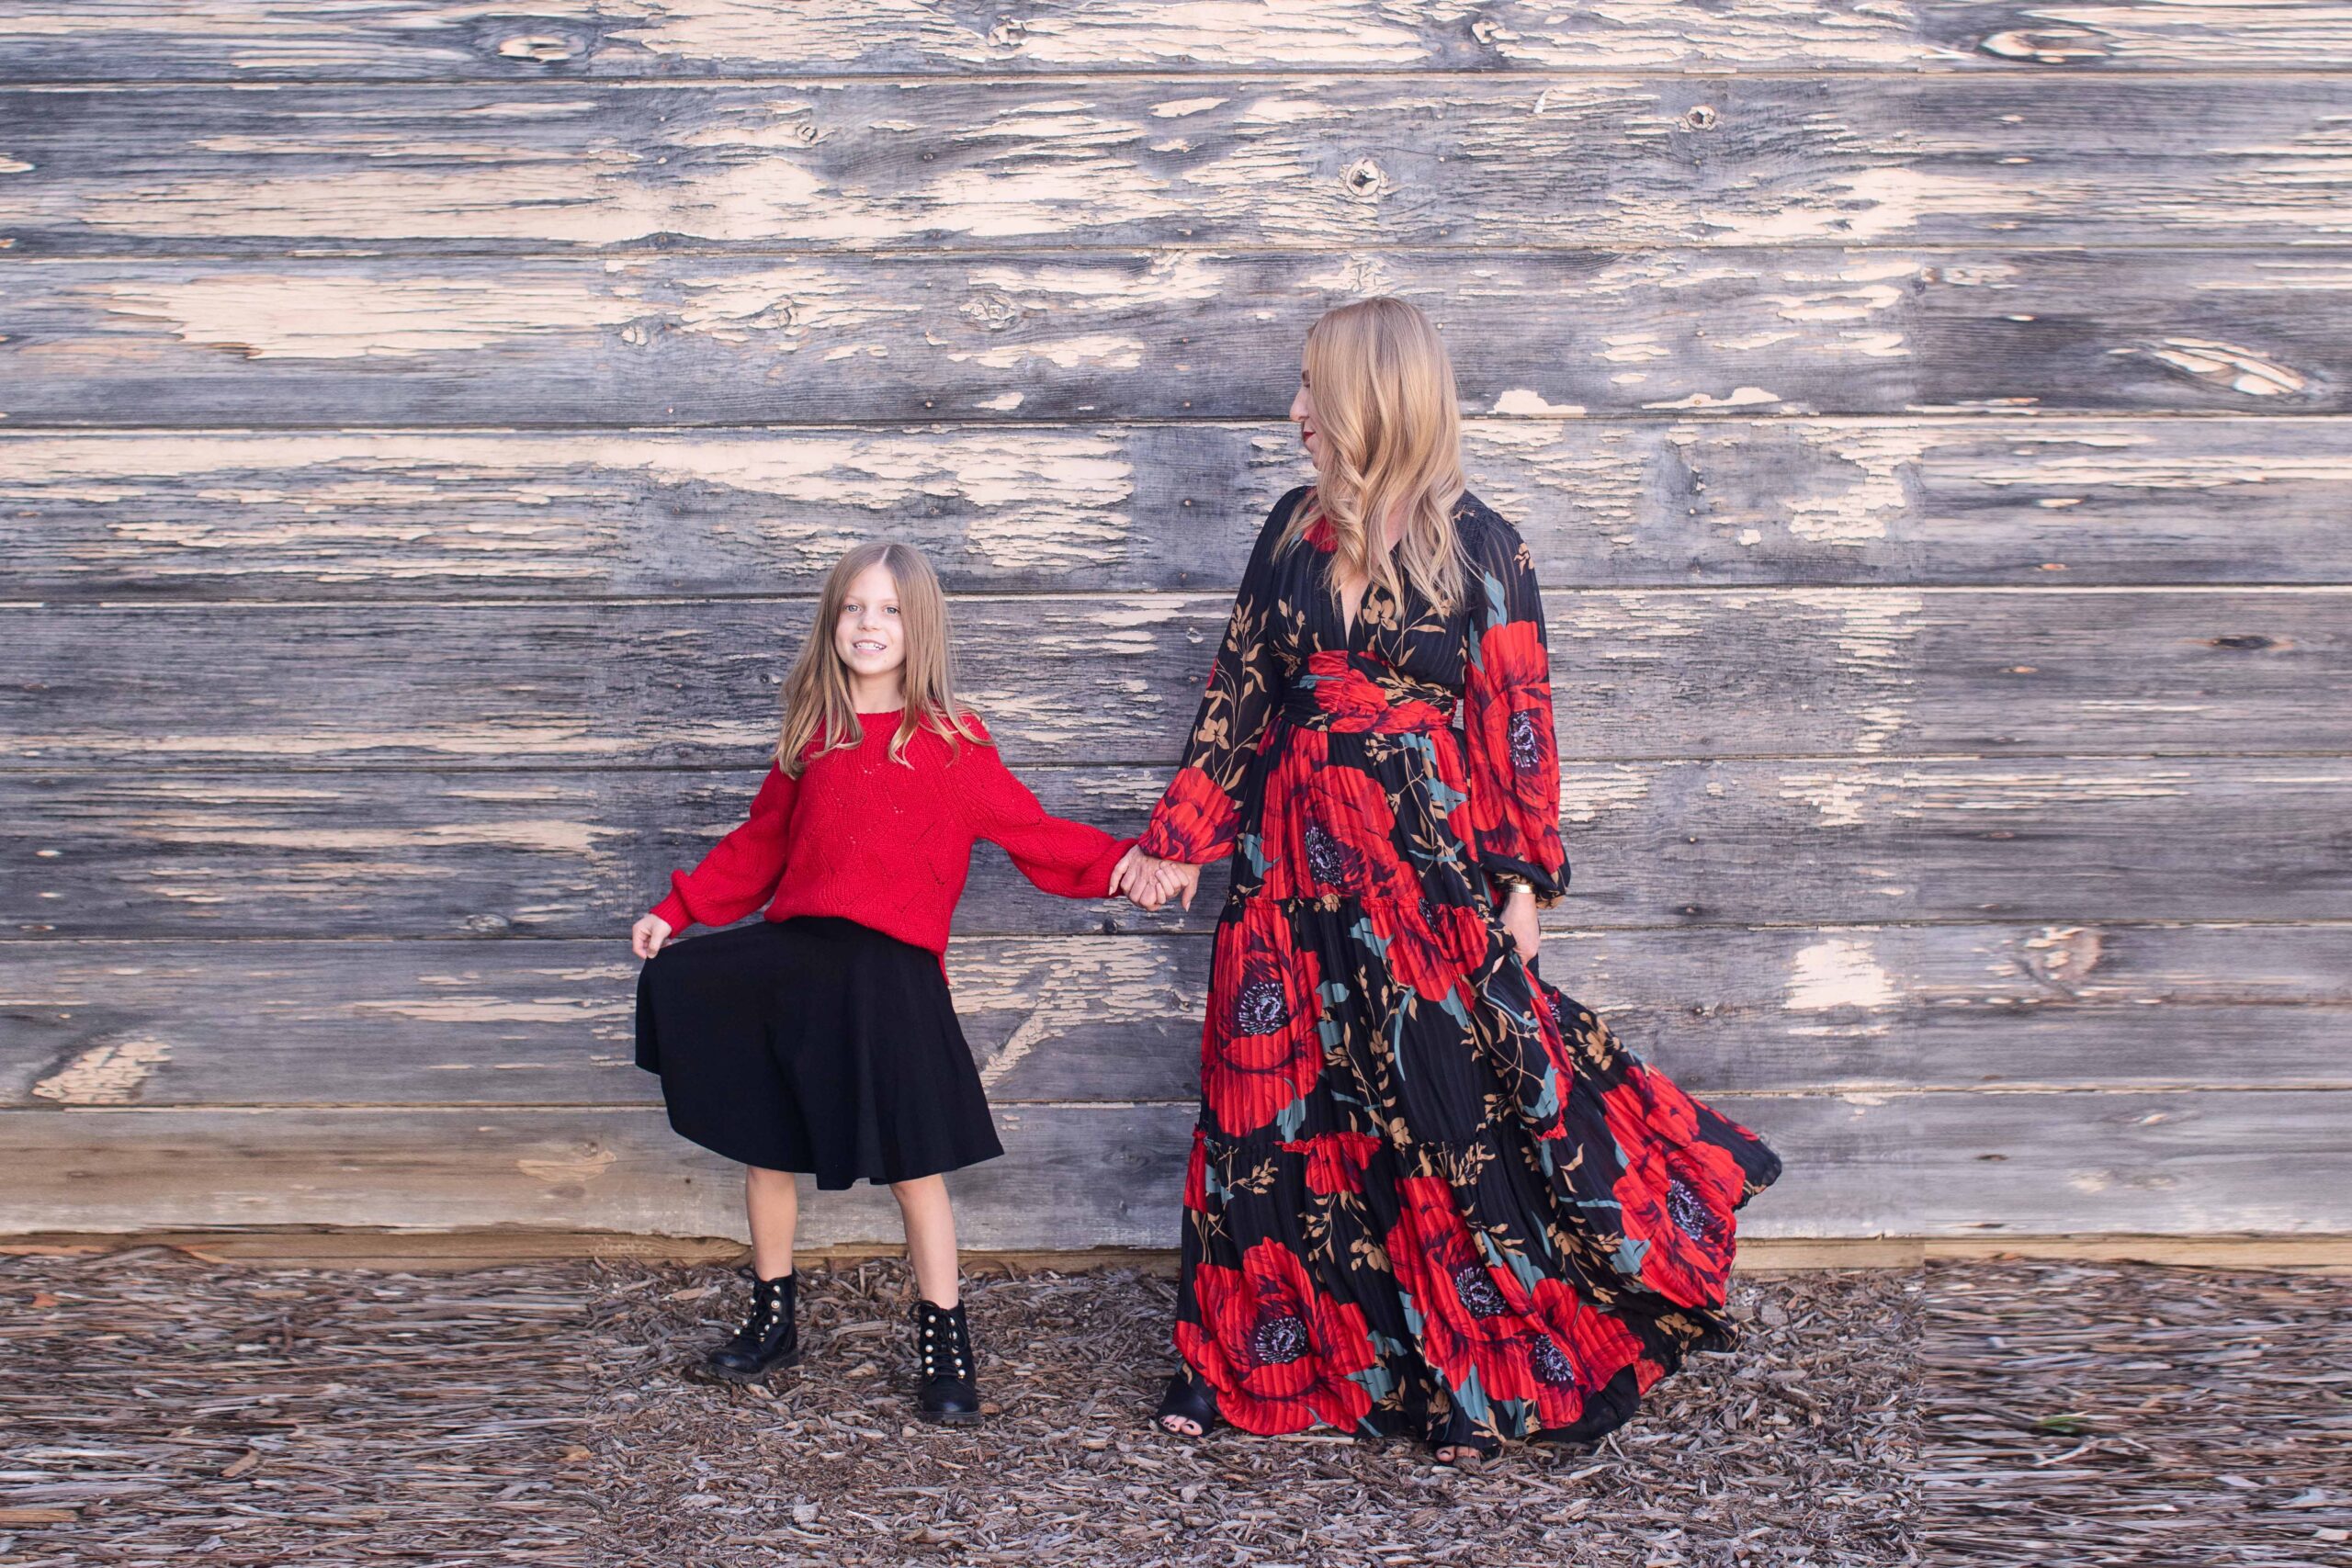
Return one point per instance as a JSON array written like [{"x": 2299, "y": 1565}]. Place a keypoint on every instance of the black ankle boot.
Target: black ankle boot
[
  {"x": 768, "y": 1339},
  {"x": 945, "y": 1365}
]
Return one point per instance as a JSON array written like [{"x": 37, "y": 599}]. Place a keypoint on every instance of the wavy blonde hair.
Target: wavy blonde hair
[
  {"x": 1391, "y": 422},
  {"x": 817, "y": 698}
]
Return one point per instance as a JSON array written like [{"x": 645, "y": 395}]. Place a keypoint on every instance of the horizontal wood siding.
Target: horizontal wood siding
[
  {"x": 365, "y": 517},
  {"x": 424, "y": 427},
  {"x": 1102, "y": 338},
  {"x": 855, "y": 166},
  {"x": 427, "y": 40}
]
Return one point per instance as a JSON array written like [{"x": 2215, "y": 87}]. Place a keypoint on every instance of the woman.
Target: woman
[{"x": 1427, "y": 1193}]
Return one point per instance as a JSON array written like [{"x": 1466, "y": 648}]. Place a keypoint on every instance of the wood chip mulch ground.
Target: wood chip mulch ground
[{"x": 159, "y": 1408}]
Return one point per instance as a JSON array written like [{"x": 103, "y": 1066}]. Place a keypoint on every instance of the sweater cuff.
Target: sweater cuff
[
  {"x": 672, "y": 910},
  {"x": 1098, "y": 873}
]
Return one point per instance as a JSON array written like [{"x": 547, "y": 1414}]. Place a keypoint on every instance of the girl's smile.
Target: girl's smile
[{"x": 871, "y": 638}]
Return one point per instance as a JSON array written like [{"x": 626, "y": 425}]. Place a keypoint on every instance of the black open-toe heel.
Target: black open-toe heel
[
  {"x": 1471, "y": 1448},
  {"x": 1189, "y": 1398}
]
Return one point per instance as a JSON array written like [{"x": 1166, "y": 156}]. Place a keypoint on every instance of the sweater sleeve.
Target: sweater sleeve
[
  {"x": 1071, "y": 858},
  {"x": 740, "y": 872}
]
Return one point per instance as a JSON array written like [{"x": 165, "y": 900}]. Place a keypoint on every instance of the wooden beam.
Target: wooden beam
[
  {"x": 1851, "y": 1008},
  {"x": 1081, "y": 679},
  {"x": 857, "y": 165},
  {"x": 257, "y": 40},
  {"x": 456, "y": 1251},
  {"x": 372, "y": 516},
  {"x": 137, "y": 852},
  {"x": 1728, "y": 332},
  {"x": 1970, "y": 1165}
]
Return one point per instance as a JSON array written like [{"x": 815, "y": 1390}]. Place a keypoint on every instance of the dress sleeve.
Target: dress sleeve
[
  {"x": 740, "y": 872},
  {"x": 1073, "y": 860},
  {"x": 1200, "y": 809},
  {"x": 1514, "y": 761}
]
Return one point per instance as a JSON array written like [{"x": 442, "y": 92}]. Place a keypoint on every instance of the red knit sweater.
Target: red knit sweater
[{"x": 886, "y": 844}]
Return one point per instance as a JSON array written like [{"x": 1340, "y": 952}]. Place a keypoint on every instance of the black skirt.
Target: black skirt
[{"x": 813, "y": 1045}]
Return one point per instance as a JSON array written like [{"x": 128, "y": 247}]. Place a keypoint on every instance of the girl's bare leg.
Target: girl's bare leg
[
  {"x": 930, "y": 1236},
  {"x": 771, "y": 1199}
]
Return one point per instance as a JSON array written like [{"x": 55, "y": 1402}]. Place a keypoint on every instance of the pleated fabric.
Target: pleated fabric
[{"x": 815, "y": 1044}]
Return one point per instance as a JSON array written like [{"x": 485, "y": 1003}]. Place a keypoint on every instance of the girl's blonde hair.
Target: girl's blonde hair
[
  {"x": 1391, "y": 422},
  {"x": 817, "y": 698}
]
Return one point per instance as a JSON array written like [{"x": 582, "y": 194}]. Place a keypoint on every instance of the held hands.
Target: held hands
[
  {"x": 647, "y": 936},
  {"x": 1148, "y": 882}
]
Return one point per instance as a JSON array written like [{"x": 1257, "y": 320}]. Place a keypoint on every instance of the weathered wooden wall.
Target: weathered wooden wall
[{"x": 425, "y": 422}]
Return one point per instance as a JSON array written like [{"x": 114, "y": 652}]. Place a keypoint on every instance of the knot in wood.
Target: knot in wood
[
  {"x": 1363, "y": 180},
  {"x": 543, "y": 48},
  {"x": 1700, "y": 117},
  {"x": 992, "y": 311}
]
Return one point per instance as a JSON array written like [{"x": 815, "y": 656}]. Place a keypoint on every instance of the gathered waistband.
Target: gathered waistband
[{"x": 1370, "y": 707}]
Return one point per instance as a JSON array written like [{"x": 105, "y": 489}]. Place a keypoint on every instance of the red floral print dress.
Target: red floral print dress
[{"x": 1423, "y": 1178}]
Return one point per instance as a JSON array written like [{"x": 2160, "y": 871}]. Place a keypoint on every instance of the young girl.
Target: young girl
[{"x": 822, "y": 1039}]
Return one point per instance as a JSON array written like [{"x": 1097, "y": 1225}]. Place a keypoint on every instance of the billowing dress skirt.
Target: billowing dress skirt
[{"x": 1423, "y": 1180}]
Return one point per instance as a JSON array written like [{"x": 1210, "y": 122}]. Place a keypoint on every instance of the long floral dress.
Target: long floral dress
[{"x": 1421, "y": 1177}]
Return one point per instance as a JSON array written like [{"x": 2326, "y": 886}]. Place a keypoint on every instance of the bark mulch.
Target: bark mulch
[
  {"x": 159, "y": 1408},
  {"x": 2124, "y": 1413}
]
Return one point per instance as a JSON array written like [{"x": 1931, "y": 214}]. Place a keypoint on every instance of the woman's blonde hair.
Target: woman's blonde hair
[
  {"x": 1391, "y": 422},
  {"x": 817, "y": 698}
]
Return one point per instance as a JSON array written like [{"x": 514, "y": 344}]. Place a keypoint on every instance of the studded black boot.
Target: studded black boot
[
  {"x": 768, "y": 1339},
  {"x": 945, "y": 1365}
]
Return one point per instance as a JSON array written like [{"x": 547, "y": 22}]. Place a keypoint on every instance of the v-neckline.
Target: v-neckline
[{"x": 1347, "y": 622}]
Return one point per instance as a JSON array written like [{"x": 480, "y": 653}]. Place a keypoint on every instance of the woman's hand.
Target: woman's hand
[
  {"x": 1148, "y": 882},
  {"x": 648, "y": 935},
  {"x": 1177, "y": 877},
  {"x": 1518, "y": 920}
]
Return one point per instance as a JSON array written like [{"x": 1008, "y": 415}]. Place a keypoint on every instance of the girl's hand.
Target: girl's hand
[
  {"x": 648, "y": 935},
  {"x": 1518, "y": 920},
  {"x": 1129, "y": 873}
]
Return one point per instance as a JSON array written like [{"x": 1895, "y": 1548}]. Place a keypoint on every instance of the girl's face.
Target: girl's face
[
  {"x": 869, "y": 636},
  {"x": 1301, "y": 413}
]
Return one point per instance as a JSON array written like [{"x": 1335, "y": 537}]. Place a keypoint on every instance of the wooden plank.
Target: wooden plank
[
  {"x": 372, "y": 516},
  {"x": 1760, "y": 1257},
  {"x": 1080, "y": 679},
  {"x": 1077, "y": 1018},
  {"x": 142, "y": 853},
  {"x": 248, "y": 40},
  {"x": 2007, "y": 1165},
  {"x": 859, "y": 165},
  {"x": 1026, "y": 336}
]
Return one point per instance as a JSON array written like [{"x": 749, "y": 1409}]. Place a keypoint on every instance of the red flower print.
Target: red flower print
[
  {"x": 1327, "y": 829},
  {"x": 1470, "y": 1313},
  {"x": 1572, "y": 1351},
  {"x": 1194, "y": 821},
  {"x": 1431, "y": 947},
  {"x": 1675, "y": 1195},
  {"x": 1514, "y": 759},
  {"x": 1319, "y": 532},
  {"x": 1260, "y": 1048},
  {"x": 1358, "y": 703},
  {"x": 1277, "y": 1352},
  {"x": 1196, "y": 1175},
  {"x": 1335, "y": 1161}
]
